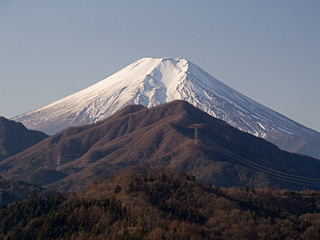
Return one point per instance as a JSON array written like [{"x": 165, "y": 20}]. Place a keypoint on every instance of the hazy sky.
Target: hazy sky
[{"x": 268, "y": 50}]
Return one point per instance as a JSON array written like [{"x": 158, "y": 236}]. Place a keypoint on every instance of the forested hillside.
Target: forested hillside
[
  {"x": 163, "y": 204},
  {"x": 175, "y": 134}
]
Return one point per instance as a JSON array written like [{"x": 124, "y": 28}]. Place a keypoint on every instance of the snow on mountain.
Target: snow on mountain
[{"x": 153, "y": 81}]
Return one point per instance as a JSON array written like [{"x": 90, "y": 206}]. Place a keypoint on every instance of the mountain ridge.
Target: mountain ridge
[
  {"x": 175, "y": 134},
  {"x": 154, "y": 81},
  {"x": 15, "y": 137}
]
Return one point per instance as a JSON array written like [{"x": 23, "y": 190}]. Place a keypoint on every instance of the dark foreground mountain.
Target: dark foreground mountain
[
  {"x": 176, "y": 135},
  {"x": 154, "y": 81},
  {"x": 14, "y": 138},
  {"x": 14, "y": 190},
  {"x": 164, "y": 205}
]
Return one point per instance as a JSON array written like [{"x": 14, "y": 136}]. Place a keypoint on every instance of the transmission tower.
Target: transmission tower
[
  {"x": 196, "y": 128},
  {"x": 1, "y": 192},
  {"x": 196, "y": 139},
  {"x": 58, "y": 162}
]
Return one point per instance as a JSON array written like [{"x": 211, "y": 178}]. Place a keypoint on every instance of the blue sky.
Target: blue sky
[{"x": 268, "y": 50}]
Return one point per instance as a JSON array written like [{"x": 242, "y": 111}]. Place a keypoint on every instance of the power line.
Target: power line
[
  {"x": 202, "y": 139},
  {"x": 292, "y": 178},
  {"x": 63, "y": 160}
]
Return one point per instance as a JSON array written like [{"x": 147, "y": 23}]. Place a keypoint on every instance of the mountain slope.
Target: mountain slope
[
  {"x": 153, "y": 81},
  {"x": 13, "y": 190},
  {"x": 163, "y": 205},
  {"x": 14, "y": 138},
  {"x": 175, "y": 134}
]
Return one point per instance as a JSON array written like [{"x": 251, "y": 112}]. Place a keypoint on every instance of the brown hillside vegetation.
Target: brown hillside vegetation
[
  {"x": 164, "y": 204},
  {"x": 14, "y": 190},
  {"x": 176, "y": 135}
]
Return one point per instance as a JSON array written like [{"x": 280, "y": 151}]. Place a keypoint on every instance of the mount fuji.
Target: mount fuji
[{"x": 154, "y": 81}]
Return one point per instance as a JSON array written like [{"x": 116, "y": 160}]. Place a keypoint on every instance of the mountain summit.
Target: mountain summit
[
  {"x": 153, "y": 81},
  {"x": 177, "y": 135}
]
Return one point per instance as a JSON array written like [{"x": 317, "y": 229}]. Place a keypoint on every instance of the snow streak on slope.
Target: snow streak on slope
[{"x": 153, "y": 81}]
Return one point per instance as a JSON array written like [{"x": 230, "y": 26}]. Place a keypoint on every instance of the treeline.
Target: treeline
[
  {"x": 15, "y": 190},
  {"x": 163, "y": 204}
]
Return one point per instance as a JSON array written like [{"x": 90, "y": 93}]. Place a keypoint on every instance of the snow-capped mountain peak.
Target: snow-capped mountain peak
[{"x": 153, "y": 81}]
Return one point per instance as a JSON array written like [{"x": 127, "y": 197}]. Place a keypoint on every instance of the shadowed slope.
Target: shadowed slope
[
  {"x": 175, "y": 134},
  {"x": 14, "y": 138}
]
